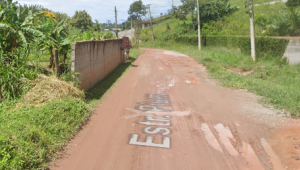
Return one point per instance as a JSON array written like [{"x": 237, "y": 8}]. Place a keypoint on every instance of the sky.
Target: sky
[{"x": 102, "y": 10}]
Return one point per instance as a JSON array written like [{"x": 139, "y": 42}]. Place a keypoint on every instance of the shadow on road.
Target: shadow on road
[{"x": 97, "y": 92}]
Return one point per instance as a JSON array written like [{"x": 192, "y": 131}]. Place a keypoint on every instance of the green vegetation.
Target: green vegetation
[
  {"x": 241, "y": 3},
  {"x": 137, "y": 10},
  {"x": 270, "y": 20},
  {"x": 238, "y": 23},
  {"x": 81, "y": 20},
  {"x": 30, "y": 136},
  {"x": 209, "y": 11},
  {"x": 29, "y": 35},
  {"x": 264, "y": 45},
  {"x": 277, "y": 19}
]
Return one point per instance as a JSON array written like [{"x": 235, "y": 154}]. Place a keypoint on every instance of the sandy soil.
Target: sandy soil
[{"x": 167, "y": 114}]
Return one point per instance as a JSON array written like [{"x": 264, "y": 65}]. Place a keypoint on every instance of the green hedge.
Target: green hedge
[{"x": 264, "y": 45}]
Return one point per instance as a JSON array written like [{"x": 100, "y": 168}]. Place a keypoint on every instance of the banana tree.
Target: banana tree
[
  {"x": 18, "y": 32},
  {"x": 59, "y": 37},
  {"x": 62, "y": 42},
  {"x": 63, "y": 39}
]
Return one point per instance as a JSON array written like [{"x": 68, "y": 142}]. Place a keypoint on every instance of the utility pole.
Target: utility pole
[
  {"x": 199, "y": 34},
  {"x": 116, "y": 23},
  {"x": 151, "y": 23},
  {"x": 252, "y": 33}
]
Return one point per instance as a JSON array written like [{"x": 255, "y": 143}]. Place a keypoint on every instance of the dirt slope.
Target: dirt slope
[{"x": 167, "y": 114}]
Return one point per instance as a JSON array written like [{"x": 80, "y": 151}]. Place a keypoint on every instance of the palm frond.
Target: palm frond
[
  {"x": 4, "y": 26},
  {"x": 28, "y": 19},
  {"x": 34, "y": 32},
  {"x": 2, "y": 13},
  {"x": 23, "y": 38}
]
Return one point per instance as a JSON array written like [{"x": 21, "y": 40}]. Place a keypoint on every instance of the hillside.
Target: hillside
[
  {"x": 236, "y": 23},
  {"x": 242, "y": 2}
]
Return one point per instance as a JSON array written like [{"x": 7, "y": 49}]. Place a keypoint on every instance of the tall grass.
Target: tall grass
[
  {"x": 30, "y": 136},
  {"x": 14, "y": 67}
]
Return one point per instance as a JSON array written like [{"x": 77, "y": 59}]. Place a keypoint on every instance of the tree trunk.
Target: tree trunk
[
  {"x": 51, "y": 64},
  {"x": 56, "y": 62},
  {"x": 65, "y": 57},
  {"x": 1, "y": 97}
]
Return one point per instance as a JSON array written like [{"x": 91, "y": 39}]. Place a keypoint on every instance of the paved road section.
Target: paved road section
[{"x": 167, "y": 114}]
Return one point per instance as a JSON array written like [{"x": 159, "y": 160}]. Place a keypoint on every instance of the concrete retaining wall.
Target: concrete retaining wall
[
  {"x": 93, "y": 60},
  {"x": 292, "y": 52}
]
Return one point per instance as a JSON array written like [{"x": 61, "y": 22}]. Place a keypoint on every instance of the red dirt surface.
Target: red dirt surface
[{"x": 210, "y": 127}]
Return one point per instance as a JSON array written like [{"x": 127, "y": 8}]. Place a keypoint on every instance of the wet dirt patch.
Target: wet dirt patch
[{"x": 286, "y": 143}]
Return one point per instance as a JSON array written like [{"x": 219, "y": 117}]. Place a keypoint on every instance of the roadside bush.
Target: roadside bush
[
  {"x": 14, "y": 67},
  {"x": 264, "y": 45},
  {"x": 30, "y": 136}
]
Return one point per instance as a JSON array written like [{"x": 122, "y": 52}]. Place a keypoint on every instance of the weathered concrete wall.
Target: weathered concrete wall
[
  {"x": 93, "y": 60},
  {"x": 127, "y": 33}
]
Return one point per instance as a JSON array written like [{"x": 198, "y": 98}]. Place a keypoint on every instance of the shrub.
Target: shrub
[
  {"x": 14, "y": 67},
  {"x": 264, "y": 45}
]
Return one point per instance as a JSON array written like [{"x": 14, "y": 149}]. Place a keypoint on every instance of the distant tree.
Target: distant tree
[
  {"x": 59, "y": 16},
  {"x": 173, "y": 10},
  {"x": 293, "y": 3},
  {"x": 138, "y": 28},
  {"x": 97, "y": 26},
  {"x": 210, "y": 11},
  {"x": 187, "y": 7},
  {"x": 137, "y": 9},
  {"x": 81, "y": 20},
  {"x": 215, "y": 11}
]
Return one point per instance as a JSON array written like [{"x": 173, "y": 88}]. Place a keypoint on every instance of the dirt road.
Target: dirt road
[{"x": 167, "y": 114}]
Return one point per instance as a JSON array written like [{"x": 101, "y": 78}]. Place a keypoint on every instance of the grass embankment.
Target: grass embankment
[
  {"x": 239, "y": 23},
  {"x": 242, "y": 3},
  {"x": 272, "y": 77},
  {"x": 235, "y": 24},
  {"x": 30, "y": 136}
]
